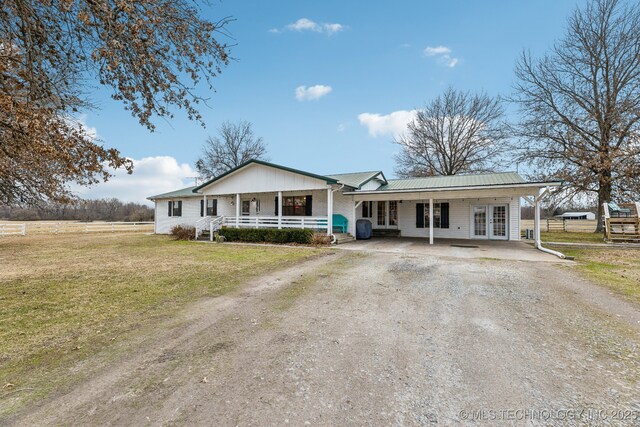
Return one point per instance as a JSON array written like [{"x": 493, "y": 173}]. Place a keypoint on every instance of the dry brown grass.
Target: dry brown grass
[{"x": 66, "y": 297}]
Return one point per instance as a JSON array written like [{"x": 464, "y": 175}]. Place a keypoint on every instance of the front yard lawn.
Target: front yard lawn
[
  {"x": 571, "y": 237},
  {"x": 617, "y": 269},
  {"x": 65, "y": 297}
]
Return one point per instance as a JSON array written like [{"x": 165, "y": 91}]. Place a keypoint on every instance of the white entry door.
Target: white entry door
[
  {"x": 498, "y": 222},
  {"x": 490, "y": 222},
  {"x": 387, "y": 214},
  {"x": 479, "y": 222}
]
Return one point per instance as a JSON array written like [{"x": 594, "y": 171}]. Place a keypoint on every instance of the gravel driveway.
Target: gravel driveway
[{"x": 377, "y": 339}]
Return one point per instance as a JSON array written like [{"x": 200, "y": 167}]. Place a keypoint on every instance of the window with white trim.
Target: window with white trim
[{"x": 175, "y": 208}]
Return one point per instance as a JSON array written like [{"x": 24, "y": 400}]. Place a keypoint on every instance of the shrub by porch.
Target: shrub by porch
[{"x": 268, "y": 235}]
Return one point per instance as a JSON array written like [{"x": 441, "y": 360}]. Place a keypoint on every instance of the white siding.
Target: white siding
[
  {"x": 190, "y": 214},
  {"x": 256, "y": 178}
]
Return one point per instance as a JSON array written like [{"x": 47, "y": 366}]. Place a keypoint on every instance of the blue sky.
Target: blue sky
[{"x": 368, "y": 64}]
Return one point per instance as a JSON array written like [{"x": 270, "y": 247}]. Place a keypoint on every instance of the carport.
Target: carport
[{"x": 452, "y": 248}]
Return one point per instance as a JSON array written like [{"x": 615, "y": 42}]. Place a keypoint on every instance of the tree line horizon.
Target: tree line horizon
[{"x": 578, "y": 104}]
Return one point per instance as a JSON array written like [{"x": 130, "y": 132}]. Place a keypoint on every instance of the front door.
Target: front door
[
  {"x": 479, "y": 222},
  {"x": 387, "y": 214},
  {"x": 498, "y": 222},
  {"x": 490, "y": 222}
]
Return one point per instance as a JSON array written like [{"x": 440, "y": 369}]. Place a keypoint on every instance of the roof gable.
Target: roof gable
[
  {"x": 328, "y": 180},
  {"x": 358, "y": 179}
]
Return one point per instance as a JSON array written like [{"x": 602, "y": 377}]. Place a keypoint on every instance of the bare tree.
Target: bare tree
[
  {"x": 456, "y": 132},
  {"x": 580, "y": 104},
  {"x": 150, "y": 55},
  {"x": 234, "y": 145}
]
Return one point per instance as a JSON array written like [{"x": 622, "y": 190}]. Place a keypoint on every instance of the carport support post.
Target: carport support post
[
  {"x": 431, "y": 221},
  {"x": 355, "y": 215},
  {"x": 237, "y": 210},
  {"x": 536, "y": 220},
  {"x": 329, "y": 211},
  {"x": 279, "y": 209}
]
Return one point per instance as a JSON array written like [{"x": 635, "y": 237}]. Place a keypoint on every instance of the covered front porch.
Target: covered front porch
[{"x": 310, "y": 209}]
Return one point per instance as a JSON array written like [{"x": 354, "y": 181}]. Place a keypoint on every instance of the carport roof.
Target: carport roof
[
  {"x": 453, "y": 181},
  {"x": 456, "y": 182}
]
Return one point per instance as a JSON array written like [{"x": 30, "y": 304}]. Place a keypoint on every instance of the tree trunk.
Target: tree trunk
[{"x": 604, "y": 196}]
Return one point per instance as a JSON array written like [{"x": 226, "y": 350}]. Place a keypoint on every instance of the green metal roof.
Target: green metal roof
[
  {"x": 476, "y": 180},
  {"x": 329, "y": 180},
  {"x": 183, "y": 192},
  {"x": 356, "y": 179}
]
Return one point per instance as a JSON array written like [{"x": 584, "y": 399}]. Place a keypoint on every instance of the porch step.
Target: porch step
[
  {"x": 385, "y": 232},
  {"x": 343, "y": 238}
]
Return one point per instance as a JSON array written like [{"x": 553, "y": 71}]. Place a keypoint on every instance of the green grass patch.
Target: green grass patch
[
  {"x": 572, "y": 237},
  {"x": 64, "y": 298},
  {"x": 617, "y": 269}
]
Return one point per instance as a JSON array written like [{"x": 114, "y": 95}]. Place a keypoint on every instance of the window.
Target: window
[
  {"x": 367, "y": 209},
  {"x": 296, "y": 206},
  {"x": 212, "y": 207},
  {"x": 440, "y": 215},
  {"x": 246, "y": 207},
  {"x": 175, "y": 208},
  {"x": 382, "y": 213}
]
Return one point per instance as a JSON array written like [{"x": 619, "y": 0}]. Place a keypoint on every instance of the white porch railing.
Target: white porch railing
[
  {"x": 319, "y": 223},
  {"x": 214, "y": 225},
  {"x": 201, "y": 225}
]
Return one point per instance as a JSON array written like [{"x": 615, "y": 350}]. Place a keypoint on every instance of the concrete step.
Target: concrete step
[
  {"x": 385, "y": 232},
  {"x": 343, "y": 238}
]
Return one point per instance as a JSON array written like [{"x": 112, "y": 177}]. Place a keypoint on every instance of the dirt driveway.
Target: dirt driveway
[{"x": 376, "y": 339}]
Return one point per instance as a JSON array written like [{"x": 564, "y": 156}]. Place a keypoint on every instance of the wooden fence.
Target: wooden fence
[
  {"x": 41, "y": 227},
  {"x": 562, "y": 225},
  {"x": 12, "y": 229}
]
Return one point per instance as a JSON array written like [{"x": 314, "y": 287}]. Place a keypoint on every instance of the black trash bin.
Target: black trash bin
[{"x": 363, "y": 229}]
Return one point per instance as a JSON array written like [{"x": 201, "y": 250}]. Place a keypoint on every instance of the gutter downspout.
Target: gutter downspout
[{"x": 538, "y": 242}]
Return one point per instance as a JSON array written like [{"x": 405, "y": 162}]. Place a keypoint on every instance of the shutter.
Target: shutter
[
  {"x": 444, "y": 215},
  {"x": 308, "y": 206},
  {"x": 170, "y": 209},
  {"x": 419, "y": 215},
  {"x": 275, "y": 203},
  {"x": 201, "y": 207},
  {"x": 179, "y": 208},
  {"x": 214, "y": 207}
]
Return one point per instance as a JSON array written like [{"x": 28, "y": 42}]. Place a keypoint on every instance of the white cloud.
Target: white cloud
[
  {"x": 305, "y": 24},
  {"x": 394, "y": 123},
  {"x": 442, "y": 55},
  {"x": 311, "y": 93},
  {"x": 438, "y": 50},
  {"x": 151, "y": 176}
]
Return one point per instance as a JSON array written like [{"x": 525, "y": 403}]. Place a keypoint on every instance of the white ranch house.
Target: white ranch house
[{"x": 260, "y": 194}]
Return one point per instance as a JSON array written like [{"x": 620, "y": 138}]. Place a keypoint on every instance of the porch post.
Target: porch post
[
  {"x": 237, "y": 210},
  {"x": 329, "y": 211},
  {"x": 431, "y": 221},
  {"x": 536, "y": 220},
  {"x": 279, "y": 209},
  {"x": 354, "y": 217}
]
